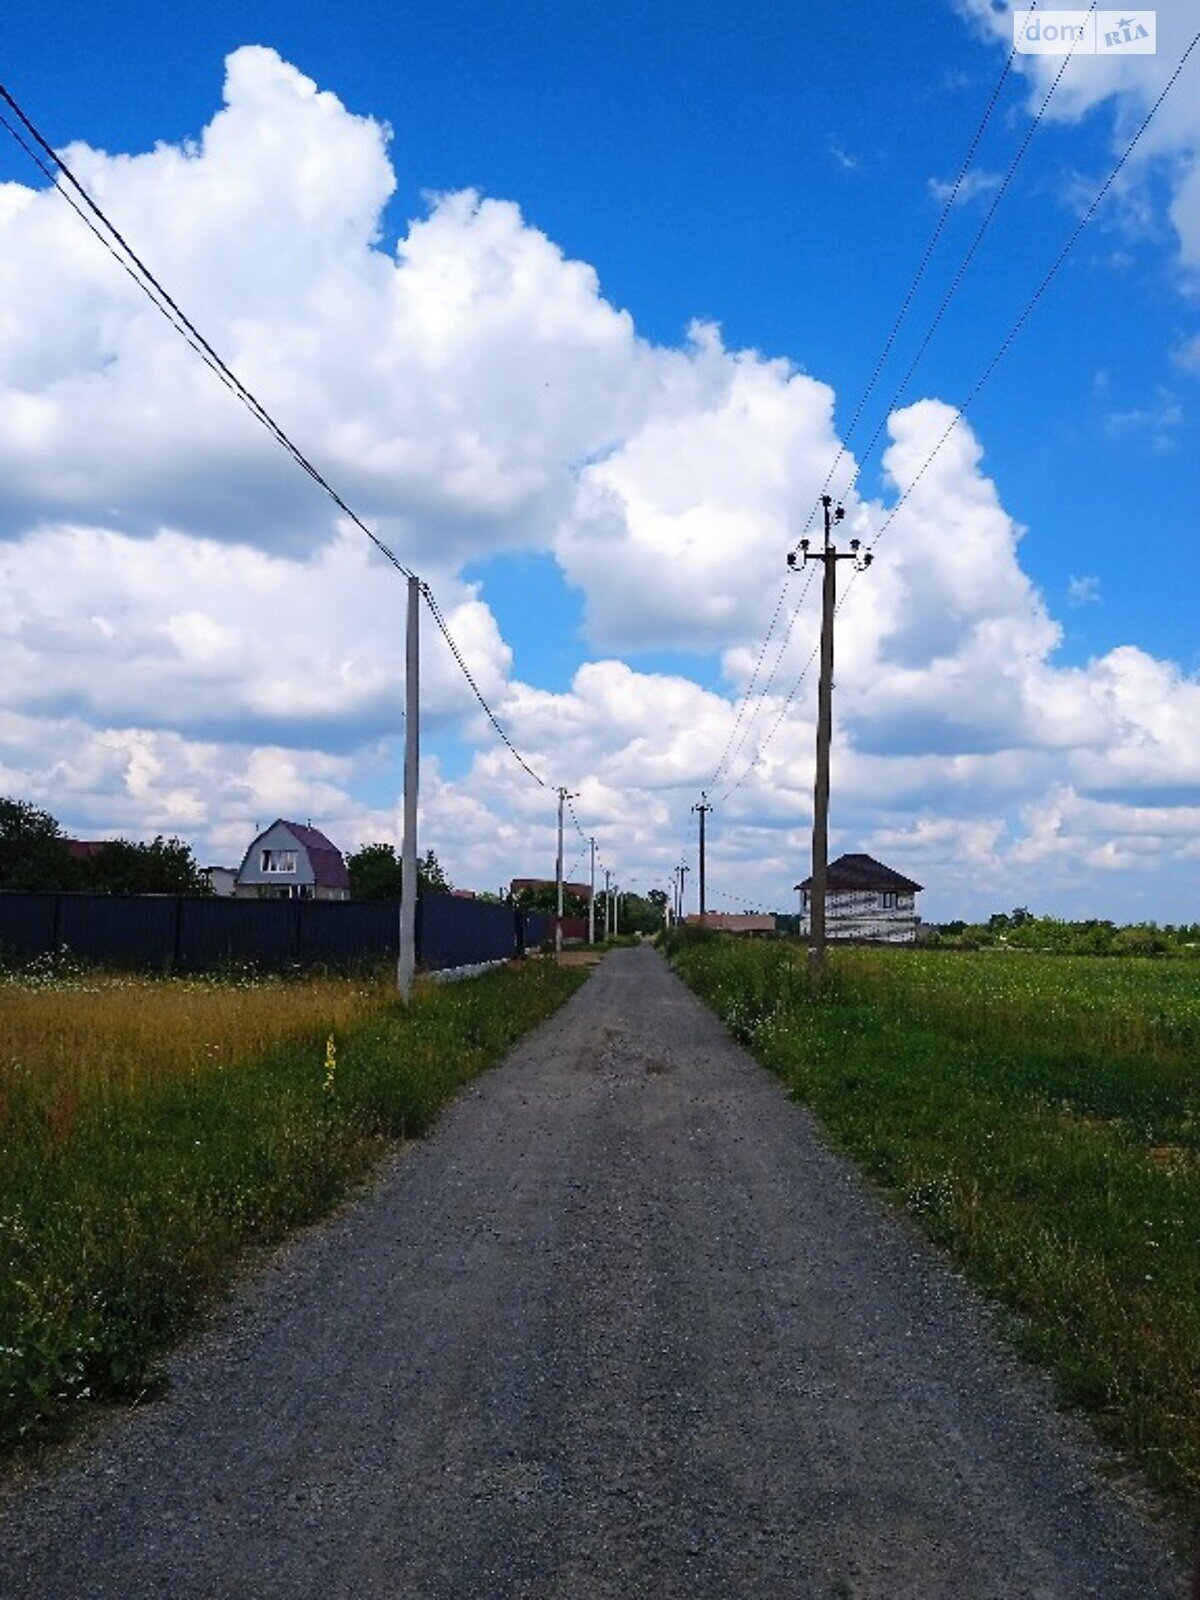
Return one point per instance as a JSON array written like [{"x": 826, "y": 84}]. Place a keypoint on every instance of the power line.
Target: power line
[
  {"x": 960, "y": 274},
  {"x": 948, "y": 206},
  {"x": 889, "y": 342},
  {"x": 766, "y": 690},
  {"x": 435, "y": 612},
  {"x": 177, "y": 317},
  {"x": 983, "y": 378},
  {"x": 1045, "y": 283},
  {"x": 140, "y": 274}
]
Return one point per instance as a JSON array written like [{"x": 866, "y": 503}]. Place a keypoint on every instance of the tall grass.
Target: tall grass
[
  {"x": 1040, "y": 1118},
  {"x": 151, "y": 1131}
]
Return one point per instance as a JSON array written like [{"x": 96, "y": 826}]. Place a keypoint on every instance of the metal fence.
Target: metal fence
[{"x": 186, "y": 934}]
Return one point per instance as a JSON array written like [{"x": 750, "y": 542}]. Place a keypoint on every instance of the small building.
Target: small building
[
  {"x": 864, "y": 900},
  {"x": 222, "y": 880},
  {"x": 292, "y": 861},
  {"x": 747, "y": 924}
]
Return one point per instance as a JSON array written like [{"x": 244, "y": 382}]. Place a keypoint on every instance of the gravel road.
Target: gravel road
[{"x": 620, "y": 1327}]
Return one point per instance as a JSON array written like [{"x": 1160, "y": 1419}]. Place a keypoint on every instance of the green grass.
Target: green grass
[
  {"x": 1040, "y": 1118},
  {"x": 154, "y": 1131}
]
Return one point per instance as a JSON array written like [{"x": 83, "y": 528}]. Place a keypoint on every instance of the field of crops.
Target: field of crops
[
  {"x": 153, "y": 1130},
  {"x": 1039, "y": 1116}
]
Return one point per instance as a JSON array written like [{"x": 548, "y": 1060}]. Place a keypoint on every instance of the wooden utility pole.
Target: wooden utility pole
[
  {"x": 592, "y": 898},
  {"x": 703, "y": 808},
  {"x": 830, "y": 555},
  {"x": 406, "y": 966}
]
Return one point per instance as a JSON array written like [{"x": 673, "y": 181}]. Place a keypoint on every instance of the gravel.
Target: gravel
[{"x": 621, "y": 1326}]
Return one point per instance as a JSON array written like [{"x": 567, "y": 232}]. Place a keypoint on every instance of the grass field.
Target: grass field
[
  {"x": 1040, "y": 1118},
  {"x": 154, "y": 1130}
]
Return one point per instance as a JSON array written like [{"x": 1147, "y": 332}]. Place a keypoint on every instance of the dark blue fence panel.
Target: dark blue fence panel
[
  {"x": 213, "y": 932},
  {"x": 198, "y": 934},
  {"x": 121, "y": 930},
  {"x": 347, "y": 930},
  {"x": 28, "y": 924},
  {"x": 454, "y": 932}
]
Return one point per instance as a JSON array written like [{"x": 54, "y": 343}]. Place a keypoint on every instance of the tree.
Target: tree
[
  {"x": 33, "y": 851},
  {"x": 165, "y": 866},
  {"x": 545, "y": 898},
  {"x": 375, "y": 873}
]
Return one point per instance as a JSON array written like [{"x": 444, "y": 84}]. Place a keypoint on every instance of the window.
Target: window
[
  {"x": 889, "y": 900},
  {"x": 279, "y": 861}
]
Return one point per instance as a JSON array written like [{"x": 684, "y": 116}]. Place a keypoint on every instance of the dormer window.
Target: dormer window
[{"x": 279, "y": 861}]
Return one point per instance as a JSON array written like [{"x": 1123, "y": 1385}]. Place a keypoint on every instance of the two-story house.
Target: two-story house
[
  {"x": 864, "y": 900},
  {"x": 292, "y": 861}
]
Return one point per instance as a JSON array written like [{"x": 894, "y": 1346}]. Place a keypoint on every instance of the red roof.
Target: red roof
[
  {"x": 329, "y": 870},
  {"x": 81, "y": 849}
]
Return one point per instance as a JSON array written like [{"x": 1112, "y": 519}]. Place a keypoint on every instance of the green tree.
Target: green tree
[
  {"x": 375, "y": 873},
  {"x": 164, "y": 866},
  {"x": 33, "y": 851},
  {"x": 545, "y": 898}
]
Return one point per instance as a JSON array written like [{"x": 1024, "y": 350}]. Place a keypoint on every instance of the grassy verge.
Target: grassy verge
[
  {"x": 1040, "y": 1118},
  {"x": 152, "y": 1131}
]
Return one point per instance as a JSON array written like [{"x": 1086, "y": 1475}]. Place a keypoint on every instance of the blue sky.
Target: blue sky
[{"x": 774, "y": 172}]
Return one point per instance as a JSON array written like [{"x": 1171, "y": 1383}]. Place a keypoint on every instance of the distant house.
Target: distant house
[
  {"x": 84, "y": 849},
  {"x": 865, "y": 900},
  {"x": 751, "y": 924},
  {"x": 292, "y": 861},
  {"x": 222, "y": 880}
]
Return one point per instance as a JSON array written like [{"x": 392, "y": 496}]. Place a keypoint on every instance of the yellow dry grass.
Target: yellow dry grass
[{"x": 107, "y": 1034}]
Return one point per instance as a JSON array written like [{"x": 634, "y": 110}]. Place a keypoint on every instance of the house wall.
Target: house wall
[
  {"x": 860, "y": 914},
  {"x": 277, "y": 837}
]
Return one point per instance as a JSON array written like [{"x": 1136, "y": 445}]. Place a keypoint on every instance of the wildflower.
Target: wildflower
[{"x": 330, "y": 1064}]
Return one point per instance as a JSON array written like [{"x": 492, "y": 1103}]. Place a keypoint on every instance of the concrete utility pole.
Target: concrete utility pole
[
  {"x": 592, "y": 898},
  {"x": 830, "y": 555},
  {"x": 703, "y": 808},
  {"x": 407, "y": 963},
  {"x": 684, "y": 869},
  {"x": 563, "y": 796},
  {"x": 607, "y": 901}
]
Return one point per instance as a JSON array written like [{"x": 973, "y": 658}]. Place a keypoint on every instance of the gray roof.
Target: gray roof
[{"x": 864, "y": 872}]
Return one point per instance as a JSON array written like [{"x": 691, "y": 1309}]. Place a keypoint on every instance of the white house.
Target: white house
[
  {"x": 222, "y": 880},
  {"x": 865, "y": 900},
  {"x": 292, "y": 861}
]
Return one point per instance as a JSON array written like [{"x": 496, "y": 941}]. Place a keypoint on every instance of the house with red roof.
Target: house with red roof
[
  {"x": 864, "y": 900},
  {"x": 292, "y": 861}
]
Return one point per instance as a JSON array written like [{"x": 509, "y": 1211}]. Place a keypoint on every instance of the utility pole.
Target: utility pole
[
  {"x": 684, "y": 869},
  {"x": 406, "y": 966},
  {"x": 830, "y": 555},
  {"x": 563, "y": 796},
  {"x": 607, "y": 901},
  {"x": 592, "y": 898},
  {"x": 703, "y": 808}
]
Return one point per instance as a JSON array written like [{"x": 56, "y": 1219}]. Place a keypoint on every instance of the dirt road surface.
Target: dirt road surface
[{"x": 620, "y": 1327}]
